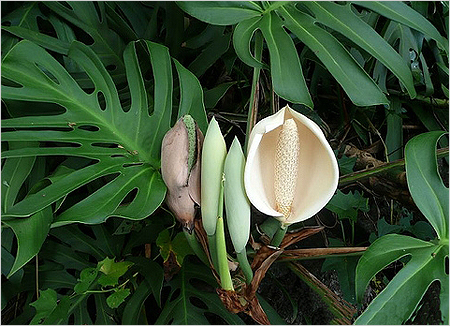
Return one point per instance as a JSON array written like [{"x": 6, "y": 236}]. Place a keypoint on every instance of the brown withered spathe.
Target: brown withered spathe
[{"x": 183, "y": 183}]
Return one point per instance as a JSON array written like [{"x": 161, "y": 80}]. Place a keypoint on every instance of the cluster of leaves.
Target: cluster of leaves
[{"x": 90, "y": 88}]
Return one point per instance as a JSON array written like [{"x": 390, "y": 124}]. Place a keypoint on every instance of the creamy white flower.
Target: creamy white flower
[{"x": 316, "y": 174}]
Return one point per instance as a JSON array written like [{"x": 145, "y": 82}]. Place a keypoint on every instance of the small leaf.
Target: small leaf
[
  {"x": 44, "y": 305},
  {"x": 112, "y": 271},
  {"x": 48, "y": 311},
  {"x": 179, "y": 246},
  {"x": 116, "y": 299},
  {"x": 87, "y": 276},
  {"x": 347, "y": 205}
]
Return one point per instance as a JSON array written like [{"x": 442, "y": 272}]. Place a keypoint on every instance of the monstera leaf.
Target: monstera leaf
[
  {"x": 88, "y": 16},
  {"x": 124, "y": 145},
  {"x": 396, "y": 303},
  {"x": 312, "y": 23},
  {"x": 192, "y": 297}
]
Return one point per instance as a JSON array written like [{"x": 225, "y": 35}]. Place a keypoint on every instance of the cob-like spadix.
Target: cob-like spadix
[{"x": 286, "y": 167}]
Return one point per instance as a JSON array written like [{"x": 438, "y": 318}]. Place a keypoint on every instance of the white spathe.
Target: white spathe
[{"x": 318, "y": 172}]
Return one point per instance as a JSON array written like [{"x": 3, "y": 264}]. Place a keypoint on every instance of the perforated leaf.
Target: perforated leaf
[
  {"x": 311, "y": 22},
  {"x": 122, "y": 142},
  {"x": 192, "y": 295}
]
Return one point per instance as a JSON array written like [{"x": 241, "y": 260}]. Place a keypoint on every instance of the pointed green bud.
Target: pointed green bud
[
  {"x": 237, "y": 205},
  {"x": 213, "y": 156}
]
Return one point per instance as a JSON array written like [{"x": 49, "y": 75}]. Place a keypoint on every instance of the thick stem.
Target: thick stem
[
  {"x": 224, "y": 272},
  {"x": 279, "y": 235},
  {"x": 254, "y": 95},
  {"x": 212, "y": 245},
  {"x": 245, "y": 266},
  {"x": 198, "y": 249}
]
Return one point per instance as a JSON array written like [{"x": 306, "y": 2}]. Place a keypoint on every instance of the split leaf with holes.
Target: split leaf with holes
[
  {"x": 397, "y": 302},
  {"x": 314, "y": 23},
  {"x": 120, "y": 143}
]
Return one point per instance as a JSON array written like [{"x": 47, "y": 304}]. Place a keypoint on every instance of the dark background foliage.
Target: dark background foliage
[{"x": 89, "y": 90}]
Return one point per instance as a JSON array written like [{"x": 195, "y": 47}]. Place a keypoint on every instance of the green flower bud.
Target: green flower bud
[{"x": 213, "y": 157}]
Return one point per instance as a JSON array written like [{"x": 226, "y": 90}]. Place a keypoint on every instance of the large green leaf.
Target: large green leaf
[
  {"x": 355, "y": 81},
  {"x": 342, "y": 19},
  {"x": 187, "y": 302},
  {"x": 402, "y": 13},
  {"x": 88, "y": 16},
  {"x": 221, "y": 12},
  {"x": 124, "y": 145},
  {"x": 396, "y": 303},
  {"x": 312, "y": 23},
  {"x": 424, "y": 182},
  {"x": 31, "y": 233}
]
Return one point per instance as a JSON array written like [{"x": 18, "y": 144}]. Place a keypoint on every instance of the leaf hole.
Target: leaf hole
[
  {"x": 299, "y": 6},
  {"x": 66, "y": 4},
  {"x": 133, "y": 164},
  {"x": 47, "y": 73},
  {"x": 446, "y": 265},
  {"x": 214, "y": 319},
  {"x": 89, "y": 128},
  {"x": 111, "y": 67},
  {"x": 175, "y": 295},
  {"x": 59, "y": 144},
  {"x": 101, "y": 100},
  {"x": 98, "y": 11},
  {"x": 201, "y": 285},
  {"x": 125, "y": 98},
  {"x": 10, "y": 83},
  {"x": 129, "y": 197},
  {"x": 198, "y": 303},
  {"x": 46, "y": 27},
  {"x": 105, "y": 145},
  {"x": 118, "y": 155},
  {"x": 81, "y": 35}
]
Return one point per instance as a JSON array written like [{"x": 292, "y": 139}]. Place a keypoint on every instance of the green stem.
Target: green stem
[
  {"x": 279, "y": 236},
  {"x": 212, "y": 244},
  {"x": 224, "y": 271},
  {"x": 343, "y": 232},
  {"x": 245, "y": 266},
  {"x": 254, "y": 95},
  {"x": 192, "y": 240}
]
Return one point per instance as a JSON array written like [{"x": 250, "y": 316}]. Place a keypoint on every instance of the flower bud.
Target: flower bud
[
  {"x": 213, "y": 157},
  {"x": 237, "y": 205},
  {"x": 180, "y": 169}
]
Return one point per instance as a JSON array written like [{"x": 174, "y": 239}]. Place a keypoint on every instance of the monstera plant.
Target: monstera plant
[
  {"x": 428, "y": 260},
  {"x": 319, "y": 25},
  {"x": 104, "y": 108},
  {"x": 117, "y": 143}
]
